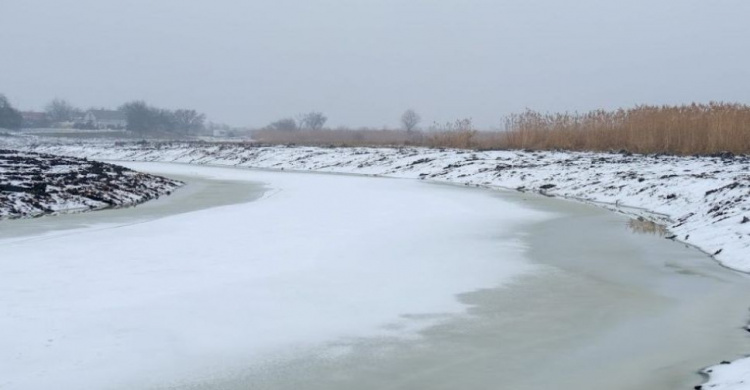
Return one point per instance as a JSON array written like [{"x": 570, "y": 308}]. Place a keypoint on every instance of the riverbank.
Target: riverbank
[
  {"x": 33, "y": 184},
  {"x": 551, "y": 294},
  {"x": 197, "y": 193},
  {"x": 702, "y": 200}
]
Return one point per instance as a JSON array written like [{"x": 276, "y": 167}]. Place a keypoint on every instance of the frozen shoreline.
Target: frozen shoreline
[{"x": 702, "y": 200}]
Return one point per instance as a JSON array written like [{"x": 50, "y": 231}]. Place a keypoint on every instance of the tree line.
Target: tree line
[
  {"x": 139, "y": 116},
  {"x": 311, "y": 121},
  {"x": 10, "y": 118},
  {"x": 142, "y": 119},
  {"x": 316, "y": 120}
]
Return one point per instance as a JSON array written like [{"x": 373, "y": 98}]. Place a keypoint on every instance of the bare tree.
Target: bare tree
[
  {"x": 59, "y": 110},
  {"x": 313, "y": 120},
  {"x": 10, "y": 118},
  {"x": 285, "y": 124},
  {"x": 189, "y": 120},
  {"x": 143, "y": 118},
  {"x": 410, "y": 119},
  {"x": 139, "y": 115}
]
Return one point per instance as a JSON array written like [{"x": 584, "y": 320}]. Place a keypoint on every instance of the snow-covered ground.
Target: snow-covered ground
[
  {"x": 728, "y": 376},
  {"x": 320, "y": 257},
  {"x": 32, "y": 184},
  {"x": 702, "y": 200}
]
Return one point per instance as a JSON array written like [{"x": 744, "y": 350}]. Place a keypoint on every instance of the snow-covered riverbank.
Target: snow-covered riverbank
[
  {"x": 32, "y": 184},
  {"x": 703, "y": 200},
  {"x": 335, "y": 274}
]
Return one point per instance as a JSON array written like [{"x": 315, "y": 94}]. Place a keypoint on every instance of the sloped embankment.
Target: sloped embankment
[
  {"x": 704, "y": 201},
  {"x": 33, "y": 184}
]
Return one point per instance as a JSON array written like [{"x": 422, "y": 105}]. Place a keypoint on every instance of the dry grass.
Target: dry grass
[
  {"x": 689, "y": 129},
  {"x": 343, "y": 137},
  {"x": 683, "y": 130},
  {"x": 339, "y": 137}
]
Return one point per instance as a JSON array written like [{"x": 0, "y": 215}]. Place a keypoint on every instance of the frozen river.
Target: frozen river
[{"x": 267, "y": 280}]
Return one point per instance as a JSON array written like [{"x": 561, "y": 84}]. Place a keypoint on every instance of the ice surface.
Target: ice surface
[
  {"x": 702, "y": 200},
  {"x": 320, "y": 257}
]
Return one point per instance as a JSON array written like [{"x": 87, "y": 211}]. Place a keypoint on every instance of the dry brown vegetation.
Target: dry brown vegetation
[
  {"x": 338, "y": 137},
  {"x": 689, "y": 129},
  {"x": 685, "y": 130},
  {"x": 463, "y": 139}
]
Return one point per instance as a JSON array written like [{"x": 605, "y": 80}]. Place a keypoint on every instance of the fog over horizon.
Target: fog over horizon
[{"x": 363, "y": 62}]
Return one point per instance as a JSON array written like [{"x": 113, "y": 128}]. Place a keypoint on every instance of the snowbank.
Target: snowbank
[
  {"x": 33, "y": 184},
  {"x": 728, "y": 376}
]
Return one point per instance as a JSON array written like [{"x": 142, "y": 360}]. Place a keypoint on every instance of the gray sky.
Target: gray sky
[{"x": 363, "y": 62}]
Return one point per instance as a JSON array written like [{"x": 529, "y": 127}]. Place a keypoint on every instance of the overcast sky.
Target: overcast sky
[{"x": 363, "y": 62}]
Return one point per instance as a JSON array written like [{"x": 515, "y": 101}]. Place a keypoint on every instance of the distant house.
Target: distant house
[
  {"x": 105, "y": 119},
  {"x": 221, "y": 133},
  {"x": 33, "y": 119}
]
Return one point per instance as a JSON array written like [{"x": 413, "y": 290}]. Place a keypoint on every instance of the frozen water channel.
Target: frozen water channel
[{"x": 277, "y": 280}]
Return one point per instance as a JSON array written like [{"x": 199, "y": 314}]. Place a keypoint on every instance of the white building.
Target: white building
[
  {"x": 221, "y": 133},
  {"x": 106, "y": 119}
]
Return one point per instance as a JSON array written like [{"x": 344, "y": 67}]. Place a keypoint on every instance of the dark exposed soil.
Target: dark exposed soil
[{"x": 33, "y": 184}]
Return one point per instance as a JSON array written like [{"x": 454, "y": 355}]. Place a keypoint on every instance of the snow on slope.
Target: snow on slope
[
  {"x": 703, "y": 200},
  {"x": 728, "y": 376},
  {"x": 33, "y": 184}
]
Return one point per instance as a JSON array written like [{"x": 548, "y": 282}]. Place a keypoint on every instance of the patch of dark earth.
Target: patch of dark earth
[{"x": 34, "y": 184}]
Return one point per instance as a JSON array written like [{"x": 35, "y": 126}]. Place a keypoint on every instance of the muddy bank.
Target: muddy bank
[
  {"x": 33, "y": 184},
  {"x": 197, "y": 193}
]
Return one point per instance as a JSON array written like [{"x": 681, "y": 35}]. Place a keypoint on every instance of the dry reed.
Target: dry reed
[
  {"x": 683, "y": 130},
  {"x": 688, "y": 129}
]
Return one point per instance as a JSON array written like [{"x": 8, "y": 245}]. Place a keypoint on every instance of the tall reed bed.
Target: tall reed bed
[{"x": 685, "y": 130}]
